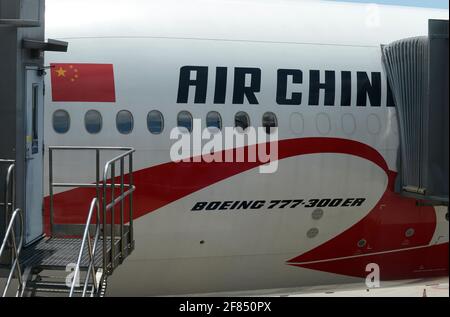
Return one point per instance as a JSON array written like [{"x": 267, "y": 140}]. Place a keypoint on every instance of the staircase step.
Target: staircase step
[
  {"x": 43, "y": 284},
  {"x": 56, "y": 291}
]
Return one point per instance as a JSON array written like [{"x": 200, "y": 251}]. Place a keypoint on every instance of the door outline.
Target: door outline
[{"x": 34, "y": 154}]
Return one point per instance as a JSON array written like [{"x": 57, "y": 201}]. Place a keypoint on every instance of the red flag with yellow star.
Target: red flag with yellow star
[{"x": 83, "y": 82}]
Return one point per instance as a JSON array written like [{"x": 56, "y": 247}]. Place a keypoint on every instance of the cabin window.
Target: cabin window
[
  {"x": 269, "y": 120},
  {"x": 242, "y": 120},
  {"x": 124, "y": 122},
  {"x": 155, "y": 122},
  {"x": 61, "y": 121},
  {"x": 213, "y": 120},
  {"x": 93, "y": 121},
  {"x": 184, "y": 120}
]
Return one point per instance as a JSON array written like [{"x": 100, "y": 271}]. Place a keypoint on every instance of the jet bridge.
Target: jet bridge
[{"x": 417, "y": 70}]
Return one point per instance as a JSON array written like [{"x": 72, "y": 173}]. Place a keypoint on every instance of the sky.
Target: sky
[{"x": 443, "y": 4}]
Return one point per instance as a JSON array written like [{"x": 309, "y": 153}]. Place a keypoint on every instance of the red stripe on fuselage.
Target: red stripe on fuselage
[
  {"x": 383, "y": 231},
  {"x": 160, "y": 185},
  {"x": 422, "y": 262},
  {"x": 383, "y": 228}
]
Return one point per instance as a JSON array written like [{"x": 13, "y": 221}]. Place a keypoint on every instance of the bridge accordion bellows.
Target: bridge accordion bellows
[{"x": 417, "y": 70}]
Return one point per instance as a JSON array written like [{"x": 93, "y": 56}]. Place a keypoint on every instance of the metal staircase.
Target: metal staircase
[{"x": 76, "y": 259}]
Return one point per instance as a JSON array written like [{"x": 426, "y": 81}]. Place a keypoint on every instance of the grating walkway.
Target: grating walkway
[{"x": 59, "y": 252}]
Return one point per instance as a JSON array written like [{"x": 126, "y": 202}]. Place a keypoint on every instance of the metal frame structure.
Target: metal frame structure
[
  {"x": 102, "y": 187},
  {"x": 15, "y": 248},
  {"x": 101, "y": 243},
  {"x": 9, "y": 190},
  {"x": 91, "y": 272},
  {"x": 9, "y": 240}
]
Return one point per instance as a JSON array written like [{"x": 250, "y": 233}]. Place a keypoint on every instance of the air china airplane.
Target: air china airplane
[{"x": 311, "y": 68}]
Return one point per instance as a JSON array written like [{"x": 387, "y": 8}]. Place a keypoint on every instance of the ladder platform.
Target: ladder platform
[{"x": 51, "y": 253}]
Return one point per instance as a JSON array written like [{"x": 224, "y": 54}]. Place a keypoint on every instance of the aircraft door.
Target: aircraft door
[{"x": 34, "y": 154}]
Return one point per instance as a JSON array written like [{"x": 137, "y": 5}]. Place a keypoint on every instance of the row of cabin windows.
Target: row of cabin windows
[{"x": 93, "y": 121}]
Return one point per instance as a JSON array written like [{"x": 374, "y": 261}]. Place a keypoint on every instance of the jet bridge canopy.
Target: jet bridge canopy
[{"x": 417, "y": 70}]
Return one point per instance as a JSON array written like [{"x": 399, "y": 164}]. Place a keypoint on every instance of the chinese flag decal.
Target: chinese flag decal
[{"x": 83, "y": 82}]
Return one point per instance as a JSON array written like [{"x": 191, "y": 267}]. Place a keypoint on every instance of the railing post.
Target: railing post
[
  {"x": 13, "y": 189},
  {"x": 113, "y": 241},
  {"x": 97, "y": 173},
  {"x": 10, "y": 197},
  {"x": 130, "y": 181},
  {"x": 12, "y": 184},
  {"x": 7, "y": 186},
  {"x": 122, "y": 248},
  {"x": 104, "y": 203},
  {"x": 9, "y": 190}
]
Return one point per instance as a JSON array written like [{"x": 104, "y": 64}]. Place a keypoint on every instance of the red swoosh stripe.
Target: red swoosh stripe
[
  {"x": 429, "y": 261},
  {"x": 386, "y": 243},
  {"x": 395, "y": 215},
  {"x": 383, "y": 228},
  {"x": 160, "y": 185}
]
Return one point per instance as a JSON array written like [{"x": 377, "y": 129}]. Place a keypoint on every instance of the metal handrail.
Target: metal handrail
[
  {"x": 9, "y": 186},
  {"x": 9, "y": 234},
  {"x": 91, "y": 248},
  {"x": 96, "y": 185},
  {"x": 107, "y": 206},
  {"x": 10, "y": 191},
  {"x": 9, "y": 205},
  {"x": 110, "y": 166}
]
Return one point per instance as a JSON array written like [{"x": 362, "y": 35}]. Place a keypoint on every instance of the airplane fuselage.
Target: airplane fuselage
[{"x": 329, "y": 209}]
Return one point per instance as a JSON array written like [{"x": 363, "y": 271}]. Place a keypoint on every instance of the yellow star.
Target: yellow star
[{"x": 61, "y": 72}]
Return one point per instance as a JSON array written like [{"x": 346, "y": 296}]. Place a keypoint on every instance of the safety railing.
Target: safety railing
[
  {"x": 92, "y": 252},
  {"x": 15, "y": 248},
  {"x": 110, "y": 168},
  {"x": 9, "y": 189},
  {"x": 10, "y": 214},
  {"x": 108, "y": 205}
]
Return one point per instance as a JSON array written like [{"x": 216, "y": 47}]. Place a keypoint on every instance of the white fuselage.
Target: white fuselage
[{"x": 182, "y": 251}]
